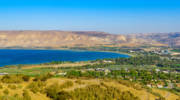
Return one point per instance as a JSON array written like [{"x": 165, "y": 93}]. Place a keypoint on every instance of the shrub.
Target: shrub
[
  {"x": 1, "y": 86},
  {"x": 16, "y": 95},
  {"x": 79, "y": 82},
  {"x": 92, "y": 92},
  {"x": 37, "y": 86},
  {"x": 52, "y": 90},
  {"x": 161, "y": 98},
  {"x": 67, "y": 84},
  {"x": 19, "y": 86},
  {"x": 55, "y": 92},
  {"x": 6, "y": 97},
  {"x": 14, "y": 78},
  {"x": 12, "y": 87},
  {"x": 43, "y": 77},
  {"x": 6, "y": 91},
  {"x": 26, "y": 78},
  {"x": 62, "y": 95},
  {"x": 11, "y": 79},
  {"x": 26, "y": 95},
  {"x": 96, "y": 92}
]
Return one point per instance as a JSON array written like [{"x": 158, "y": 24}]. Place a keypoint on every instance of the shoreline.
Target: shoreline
[
  {"x": 130, "y": 55},
  {"x": 124, "y": 55}
]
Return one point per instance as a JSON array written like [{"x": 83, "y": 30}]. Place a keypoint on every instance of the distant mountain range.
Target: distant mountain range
[{"x": 58, "y": 39}]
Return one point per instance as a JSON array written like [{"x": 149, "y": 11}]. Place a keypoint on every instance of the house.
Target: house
[
  {"x": 90, "y": 69},
  {"x": 107, "y": 61},
  {"x": 159, "y": 86},
  {"x": 157, "y": 70},
  {"x": 165, "y": 52},
  {"x": 62, "y": 73},
  {"x": 99, "y": 69},
  {"x": 3, "y": 73},
  {"x": 131, "y": 51},
  {"x": 106, "y": 71},
  {"x": 165, "y": 72},
  {"x": 149, "y": 85}
]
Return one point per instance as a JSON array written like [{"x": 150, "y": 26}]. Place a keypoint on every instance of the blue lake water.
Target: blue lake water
[{"x": 13, "y": 57}]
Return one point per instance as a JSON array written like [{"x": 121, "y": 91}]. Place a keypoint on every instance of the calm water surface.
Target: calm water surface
[{"x": 12, "y": 57}]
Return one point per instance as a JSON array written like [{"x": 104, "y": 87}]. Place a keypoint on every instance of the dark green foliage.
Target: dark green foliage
[
  {"x": 90, "y": 74},
  {"x": 74, "y": 73},
  {"x": 139, "y": 60}
]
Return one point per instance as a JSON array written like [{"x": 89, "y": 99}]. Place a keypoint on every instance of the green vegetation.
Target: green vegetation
[
  {"x": 139, "y": 73},
  {"x": 93, "y": 92},
  {"x": 14, "y": 78},
  {"x": 26, "y": 95},
  {"x": 37, "y": 86}
]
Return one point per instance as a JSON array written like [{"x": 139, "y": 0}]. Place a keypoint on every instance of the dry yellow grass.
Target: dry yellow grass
[
  {"x": 142, "y": 94},
  {"x": 166, "y": 94}
]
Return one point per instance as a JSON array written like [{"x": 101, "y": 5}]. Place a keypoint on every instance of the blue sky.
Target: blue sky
[{"x": 113, "y": 16}]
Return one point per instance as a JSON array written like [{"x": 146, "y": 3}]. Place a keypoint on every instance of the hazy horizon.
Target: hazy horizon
[
  {"x": 95, "y": 31},
  {"x": 115, "y": 16}
]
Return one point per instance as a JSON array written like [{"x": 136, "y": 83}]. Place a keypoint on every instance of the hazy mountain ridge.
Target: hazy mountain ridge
[
  {"x": 57, "y": 39},
  {"x": 171, "y": 39}
]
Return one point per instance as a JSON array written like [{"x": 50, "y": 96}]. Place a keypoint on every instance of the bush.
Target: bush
[
  {"x": 26, "y": 78},
  {"x": 53, "y": 90},
  {"x": 43, "y": 77},
  {"x": 13, "y": 87},
  {"x": 6, "y": 91},
  {"x": 16, "y": 95},
  {"x": 67, "y": 84},
  {"x": 1, "y": 86},
  {"x": 26, "y": 95},
  {"x": 19, "y": 86},
  {"x": 92, "y": 92},
  {"x": 62, "y": 95},
  {"x": 11, "y": 79},
  {"x": 161, "y": 98},
  {"x": 6, "y": 97},
  {"x": 14, "y": 78},
  {"x": 37, "y": 86},
  {"x": 79, "y": 82},
  {"x": 96, "y": 92}
]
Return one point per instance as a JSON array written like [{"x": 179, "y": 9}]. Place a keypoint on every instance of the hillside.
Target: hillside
[
  {"x": 58, "y": 39},
  {"x": 69, "y": 89},
  {"x": 172, "y": 39}
]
